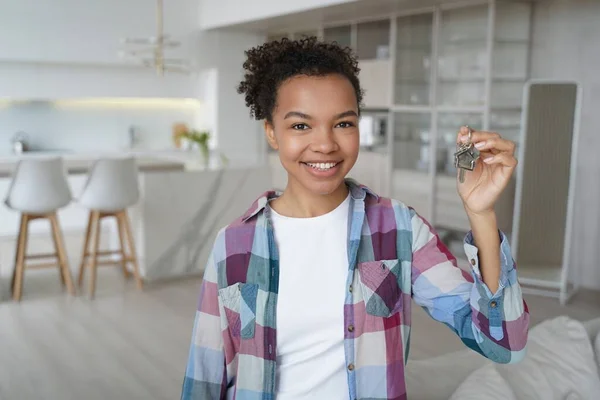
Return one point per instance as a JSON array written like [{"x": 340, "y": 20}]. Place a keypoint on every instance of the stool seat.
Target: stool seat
[
  {"x": 111, "y": 188},
  {"x": 38, "y": 189},
  {"x": 112, "y": 185},
  {"x": 39, "y": 186}
]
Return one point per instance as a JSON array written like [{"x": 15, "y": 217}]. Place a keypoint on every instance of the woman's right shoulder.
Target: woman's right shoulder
[{"x": 234, "y": 237}]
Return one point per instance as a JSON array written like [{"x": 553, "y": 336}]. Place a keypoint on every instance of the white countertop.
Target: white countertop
[{"x": 80, "y": 162}]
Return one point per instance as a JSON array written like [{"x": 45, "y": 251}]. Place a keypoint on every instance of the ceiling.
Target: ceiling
[
  {"x": 342, "y": 13},
  {"x": 339, "y": 13}
]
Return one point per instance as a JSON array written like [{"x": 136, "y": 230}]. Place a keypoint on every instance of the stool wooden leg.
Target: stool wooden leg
[
  {"x": 56, "y": 246},
  {"x": 62, "y": 256},
  {"x": 15, "y": 269},
  {"x": 132, "y": 251},
  {"x": 20, "y": 258},
  {"x": 124, "y": 257},
  {"x": 85, "y": 252},
  {"x": 94, "y": 253}
]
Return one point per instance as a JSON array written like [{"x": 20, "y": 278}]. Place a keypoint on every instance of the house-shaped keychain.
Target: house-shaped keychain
[{"x": 465, "y": 157}]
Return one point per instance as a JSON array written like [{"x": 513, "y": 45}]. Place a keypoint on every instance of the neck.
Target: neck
[{"x": 298, "y": 202}]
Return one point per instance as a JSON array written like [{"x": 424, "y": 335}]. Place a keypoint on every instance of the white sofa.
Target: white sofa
[{"x": 562, "y": 363}]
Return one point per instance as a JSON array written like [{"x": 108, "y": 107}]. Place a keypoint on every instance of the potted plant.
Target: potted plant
[{"x": 182, "y": 133}]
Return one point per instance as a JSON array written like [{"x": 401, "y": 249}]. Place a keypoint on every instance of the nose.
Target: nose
[{"x": 324, "y": 141}]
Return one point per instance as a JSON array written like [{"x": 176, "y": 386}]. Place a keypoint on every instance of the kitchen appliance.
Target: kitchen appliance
[
  {"x": 20, "y": 142},
  {"x": 373, "y": 128}
]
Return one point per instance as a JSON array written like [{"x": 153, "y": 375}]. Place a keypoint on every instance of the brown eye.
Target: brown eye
[
  {"x": 300, "y": 127},
  {"x": 345, "y": 124}
]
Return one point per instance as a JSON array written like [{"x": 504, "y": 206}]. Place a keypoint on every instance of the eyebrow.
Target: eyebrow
[
  {"x": 297, "y": 114},
  {"x": 349, "y": 113}
]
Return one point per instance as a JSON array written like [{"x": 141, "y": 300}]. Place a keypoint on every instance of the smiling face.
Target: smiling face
[{"x": 315, "y": 130}]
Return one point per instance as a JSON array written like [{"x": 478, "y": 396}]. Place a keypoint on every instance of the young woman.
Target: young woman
[{"x": 308, "y": 294}]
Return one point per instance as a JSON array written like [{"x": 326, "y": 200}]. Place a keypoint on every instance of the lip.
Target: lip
[{"x": 322, "y": 174}]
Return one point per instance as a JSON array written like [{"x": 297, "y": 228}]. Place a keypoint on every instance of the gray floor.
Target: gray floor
[{"x": 127, "y": 344}]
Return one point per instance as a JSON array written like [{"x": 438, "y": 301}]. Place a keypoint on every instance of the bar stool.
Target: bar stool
[
  {"x": 39, "y": 188},
  {"x": 111, "y": 188}
]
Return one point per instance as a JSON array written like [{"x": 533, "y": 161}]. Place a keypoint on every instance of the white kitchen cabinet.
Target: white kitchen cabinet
[
  {"x": 413, "y": 51},
  {"x": 413, "y": 188},
  {"x": 370, "y": 40},
  {"x": 373, "y": 50},
  {"x": 277, "y": 36},
  {"x": 449, "y": 65},
  {"x": 468, "y": 69},
  {"x": 373, "y": 40},
  {"x": 462, "y": 58},
  {"x": 305, "y": 34},
  {"x": 374, "y": 79},
  {"x": 340, "y": 34}
]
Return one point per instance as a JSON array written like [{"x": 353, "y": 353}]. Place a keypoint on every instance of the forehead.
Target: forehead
[{"x": 316, "y": 95}]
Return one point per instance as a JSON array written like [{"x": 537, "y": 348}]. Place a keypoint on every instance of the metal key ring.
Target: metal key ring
[{"x": 470, "y": 133}]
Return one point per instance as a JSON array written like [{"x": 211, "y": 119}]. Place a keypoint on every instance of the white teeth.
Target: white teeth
[{"x": 322, "y": 166}]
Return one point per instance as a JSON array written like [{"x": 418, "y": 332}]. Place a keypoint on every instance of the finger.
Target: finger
[
  {"x": 463, "y": 134},
  {"x": 496, "y": 143},
  {"x": 487, "y": 153},
  {"x": 504, "y": 159},
  {"x": 476, "y": 136}
]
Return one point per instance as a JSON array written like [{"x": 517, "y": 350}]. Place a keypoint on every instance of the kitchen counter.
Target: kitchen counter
[
  {"x": 175, "y": 222},
  {"x": 81, "y": 163},
  {"x": 183, "y": 203}
]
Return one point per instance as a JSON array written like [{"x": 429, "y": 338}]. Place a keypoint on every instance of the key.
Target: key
[
  {"x": 461, "y": 171},
  {"x": 465, "y": 158}
]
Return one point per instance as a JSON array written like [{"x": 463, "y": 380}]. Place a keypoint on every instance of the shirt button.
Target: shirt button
[
  {"x": 350, "y": 328},
  {"x": 350, "y": 289},
  {"x": 493, "y": 304},
  {"x": 351, "y": 367},
  {"x": 473, "y": 262}
]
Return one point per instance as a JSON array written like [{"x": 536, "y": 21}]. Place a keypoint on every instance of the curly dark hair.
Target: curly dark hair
[{"x": 269, "y": 65}]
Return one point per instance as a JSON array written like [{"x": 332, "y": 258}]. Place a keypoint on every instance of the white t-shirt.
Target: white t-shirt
[{"x": 313, "y": 267}]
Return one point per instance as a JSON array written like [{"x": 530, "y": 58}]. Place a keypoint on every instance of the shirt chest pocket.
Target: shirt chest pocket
[
  {"x": 381, "y": 286},
  {"x": 239, "y": 304}
]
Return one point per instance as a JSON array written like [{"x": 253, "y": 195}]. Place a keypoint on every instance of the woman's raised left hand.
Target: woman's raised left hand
[{"x": 482, "y": 186}]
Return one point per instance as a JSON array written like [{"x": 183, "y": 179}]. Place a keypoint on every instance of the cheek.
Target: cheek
[
  {"x": 350, "y": 144},
  {"x": 291, "y": 148}
]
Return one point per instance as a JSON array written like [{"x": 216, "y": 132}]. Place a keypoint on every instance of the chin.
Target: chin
[
  {"x": 322, "y": 187},
  {"x": 325, "y": 188}
]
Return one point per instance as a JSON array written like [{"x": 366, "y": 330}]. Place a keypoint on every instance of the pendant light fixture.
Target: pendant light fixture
[{"x": 150, "y": 51}]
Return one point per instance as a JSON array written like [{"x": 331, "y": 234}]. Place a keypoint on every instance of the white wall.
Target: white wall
[
  {"x": 221, "y": 52},
  {"x": 95, "y": 126},
  {"x": 25, "y": 80},
  {"x": 566, "y": 45},
  {"x": 53, "y": 49},
  {"x": 240, "y": 137},
  {"x": 220, "y": 13},
  {"x": 87, "y": 31},
  {"x": 45, "y": 44}
]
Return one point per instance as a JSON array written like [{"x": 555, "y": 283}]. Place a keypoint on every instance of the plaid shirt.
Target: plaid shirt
[{"x": 394, "y": 255}]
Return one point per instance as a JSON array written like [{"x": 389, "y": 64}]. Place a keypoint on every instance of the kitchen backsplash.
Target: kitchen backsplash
[{"x": 97, "y": 124}]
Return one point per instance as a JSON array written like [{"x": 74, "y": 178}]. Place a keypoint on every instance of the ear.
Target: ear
[{"x": 270, "y": 134}]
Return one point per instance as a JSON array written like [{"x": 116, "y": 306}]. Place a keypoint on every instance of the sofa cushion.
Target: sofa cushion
[
  {"x": 597, "y": 347},
  {"x": 593, "y": 329},
  {"x": 559, "y": 363},
  {"x": 438, "y": 377},
  {"x": 485, "y": 383}
]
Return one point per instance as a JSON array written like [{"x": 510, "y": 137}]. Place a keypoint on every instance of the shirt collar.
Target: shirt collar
[{"x": 357, "y": 192}]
